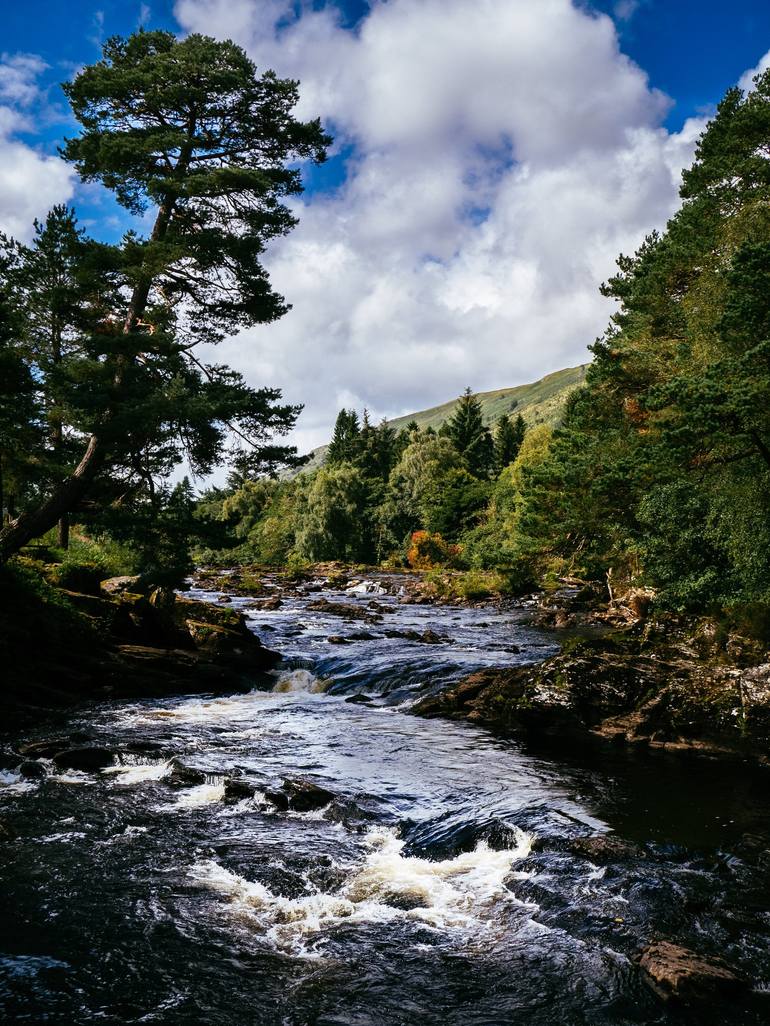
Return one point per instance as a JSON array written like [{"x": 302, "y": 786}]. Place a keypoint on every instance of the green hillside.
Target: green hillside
[{"x": 539, "y": 403}]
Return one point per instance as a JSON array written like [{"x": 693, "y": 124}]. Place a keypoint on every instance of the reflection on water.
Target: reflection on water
[{"x": 434, "y": 884}]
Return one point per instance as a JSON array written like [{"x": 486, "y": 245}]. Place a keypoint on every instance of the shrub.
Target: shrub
[{"x": 427, "y": 550}]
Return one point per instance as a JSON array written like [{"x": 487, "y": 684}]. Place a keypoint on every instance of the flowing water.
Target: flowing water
[{"x": 436, "y": 887}]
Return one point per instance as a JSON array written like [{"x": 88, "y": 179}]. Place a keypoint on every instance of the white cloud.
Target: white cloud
[
  {"x": 30, "y": 181},
  {"x": 746, "y": 81},
  {"x": 504, "y": 153}
]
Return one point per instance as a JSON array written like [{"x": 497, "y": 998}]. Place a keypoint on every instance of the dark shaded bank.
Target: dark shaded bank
[
  {"x": 663, "y": 685},
  {"x": 119, "y": 638}
]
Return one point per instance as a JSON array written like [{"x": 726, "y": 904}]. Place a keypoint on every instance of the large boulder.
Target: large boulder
[
  {"x": 300, "y": 796},
  {"x": 343, "y": 609},
  {"x": 114, "y": 586},
  {"x": 31, "y": 770},
  {"x": 238, "y": 790},
  {"x": 603, "y": 848},
  {"x": 222, "y": 633},
  {"x": 89, "y": 758},
  {"x": 46, "y": 748},
  {"x": 676, "y": 973},
  {"x": 181, "y": 775}
]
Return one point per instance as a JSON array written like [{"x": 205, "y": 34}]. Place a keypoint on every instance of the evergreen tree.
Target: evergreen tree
[
  {"x": 469, "y": 435},
  {"x": 346, "y": 439},
  {"x": 189, "y": 128},
  {"x": 21, "y": 420},
  {"x": 507, "y": 441},
  {"x": 61, "y": 289}
]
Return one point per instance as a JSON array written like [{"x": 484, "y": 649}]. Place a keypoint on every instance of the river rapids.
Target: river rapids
[{"x": 437, "y": 886}]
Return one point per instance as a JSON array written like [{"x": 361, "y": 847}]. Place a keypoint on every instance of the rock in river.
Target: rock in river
[
  {"x": 677, "y": 973},
  {"x": 88, "y": 758},
  {"x": 300, "y": 796}
]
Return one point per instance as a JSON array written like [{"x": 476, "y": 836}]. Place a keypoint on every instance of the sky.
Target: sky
[{"x": 491, "y": 160}]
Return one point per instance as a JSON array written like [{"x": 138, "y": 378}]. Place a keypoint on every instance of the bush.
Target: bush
[
  {"x": 427, "y": 550},
  {"x": 75, "y": 576}
]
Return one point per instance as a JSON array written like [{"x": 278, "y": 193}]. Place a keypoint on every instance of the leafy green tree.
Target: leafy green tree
[
  {"x": 415, "y": 486},
  {"x": 470, "y": 436},
  {"x": 661, "y": 469},
  {"x": 331, "y": 523},
  {"x": 188, "y": 128}
]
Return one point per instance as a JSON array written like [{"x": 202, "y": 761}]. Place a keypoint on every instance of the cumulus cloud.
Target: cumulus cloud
[
  {"x": 746, "y": 81},
  {"x": 502, "y": 154},
  {"x": 30, "y": 181}
]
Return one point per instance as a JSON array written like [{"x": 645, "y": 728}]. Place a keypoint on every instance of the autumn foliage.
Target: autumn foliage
[{"x": 427, "y": 550}]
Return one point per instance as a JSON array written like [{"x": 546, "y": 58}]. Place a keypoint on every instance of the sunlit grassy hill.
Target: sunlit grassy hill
[{"x": 540, "y": 402}]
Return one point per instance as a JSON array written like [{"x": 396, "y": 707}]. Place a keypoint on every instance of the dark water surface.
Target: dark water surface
[{"x": 415, "y": 897}]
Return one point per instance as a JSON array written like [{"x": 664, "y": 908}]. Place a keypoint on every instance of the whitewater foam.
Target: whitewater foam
[
  {"x": 298, "y": 680},
  {"x": 454, "y": 895},
  {"x": 138, "y": 772}
]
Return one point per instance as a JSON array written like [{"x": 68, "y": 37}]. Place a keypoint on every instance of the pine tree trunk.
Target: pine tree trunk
[{"x": 64, "y": 531}]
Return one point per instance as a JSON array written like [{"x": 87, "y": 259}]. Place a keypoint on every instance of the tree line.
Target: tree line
[{"x": 376, "y": 489}]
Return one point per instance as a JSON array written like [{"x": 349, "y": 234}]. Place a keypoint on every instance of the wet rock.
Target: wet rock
[
  {"x": 7, "y": 832},
  {"x": 88, "y": 758},
  {"x": 337, "y": 639},
  {"x": 31, "y": 770},
  {"x": 144, "y": 747},
  {"x": 270, "y": 604},
  {"x": 48, "y": 747},
  {"x": 301, "y": 796},
  {"x": 404, "y": 900},
  {"x": 237, "y": 790},
  {"x": 279, "y": 799},
  {"x": 359, "y": 700},
  {"x": 342, "y": 609},
  {"x": 184, "y": 776},
  {"x": 427, "y": 637},
  {"x": 225, "y": 599},
  {"x": 114, "y": 586},
  {"x": 362, "y": 636},
  {"x": 676, "y": 973},
  {"x": 605, "y": 848}
]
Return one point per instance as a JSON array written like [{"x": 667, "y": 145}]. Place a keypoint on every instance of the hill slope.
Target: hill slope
[{"x": 540, "y": 402}]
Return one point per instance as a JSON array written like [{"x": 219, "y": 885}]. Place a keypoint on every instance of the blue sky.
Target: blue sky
[
  {"x": 693, "y": 51},
  {"x": 492, "y": 157}
]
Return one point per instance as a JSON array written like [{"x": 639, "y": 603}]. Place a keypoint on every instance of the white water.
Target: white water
[{"x": 459, "y": 895}]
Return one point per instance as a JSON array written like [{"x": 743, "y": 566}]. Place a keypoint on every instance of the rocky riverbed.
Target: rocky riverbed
[{"x": 299, "y": 848}]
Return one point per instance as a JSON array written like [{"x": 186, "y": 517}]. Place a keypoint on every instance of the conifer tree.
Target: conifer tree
[
  {"x": 60, "y": 288},
  {"x": 507, "y": 442},
  {"x": 189, "y": 129},
  {"x": 346, "y": 439},
  {"x": 470, "y": 436}
]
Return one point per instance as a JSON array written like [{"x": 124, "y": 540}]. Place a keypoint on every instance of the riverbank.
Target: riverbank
[
  {"x": 115, "y": 638},
  {"x": 624, "y": 676},
  {"x": 667, "y": 683}
]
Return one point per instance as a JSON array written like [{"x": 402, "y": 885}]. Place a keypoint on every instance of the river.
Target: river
[{"x": 437, "y": 888}]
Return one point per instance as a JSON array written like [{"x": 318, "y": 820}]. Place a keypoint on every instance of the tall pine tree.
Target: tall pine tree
[
  {"x": 188, "y": 129},
  {"x": 470, "y": 436}
]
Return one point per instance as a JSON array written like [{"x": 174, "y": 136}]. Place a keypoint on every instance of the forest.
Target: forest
[{"x": 655, "y": 475}]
